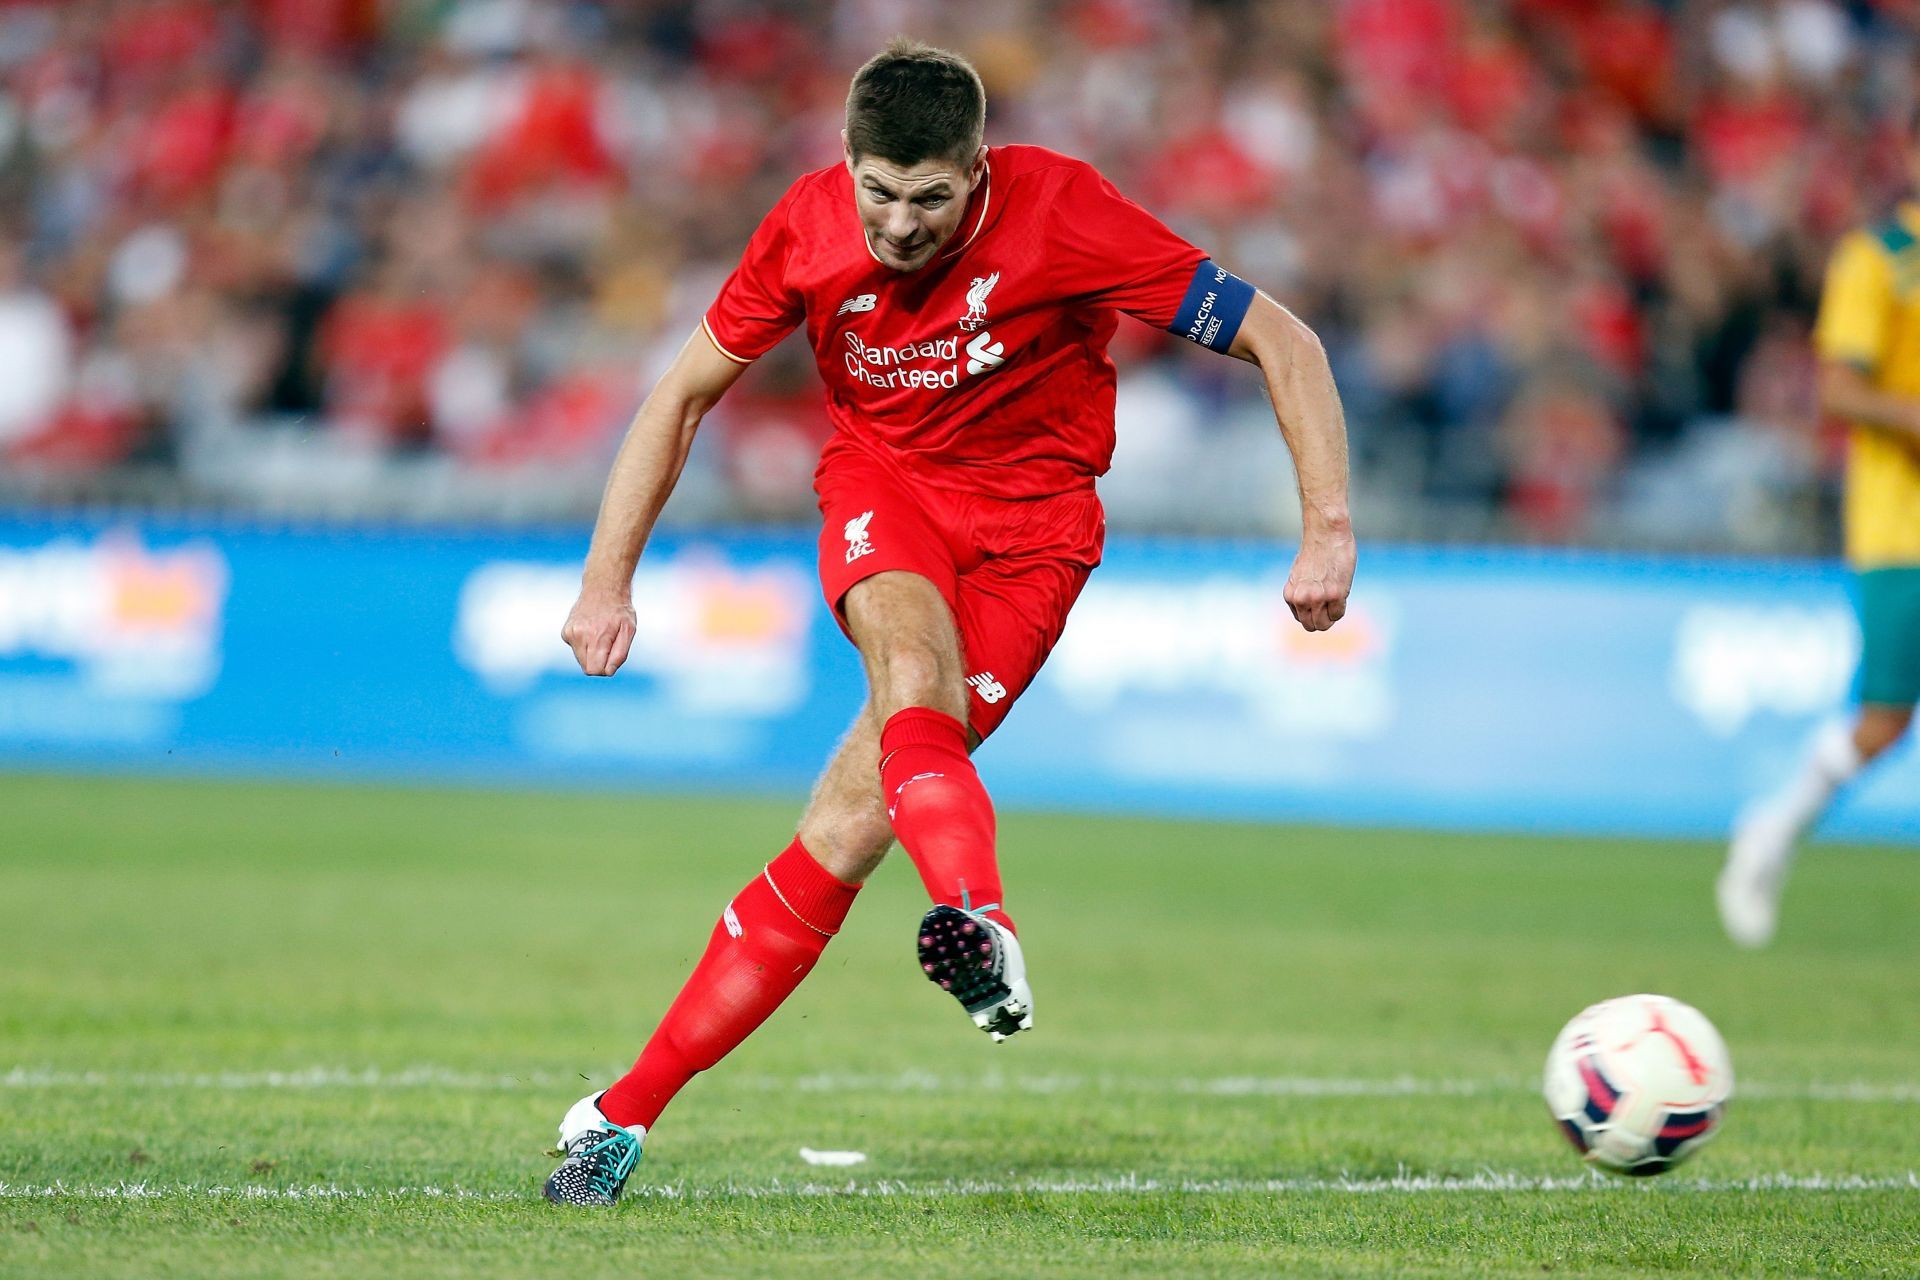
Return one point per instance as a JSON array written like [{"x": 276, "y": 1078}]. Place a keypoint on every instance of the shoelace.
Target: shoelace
[
  {"x": 992, "y": 931},
  {"x": 604, "y": 1177}
]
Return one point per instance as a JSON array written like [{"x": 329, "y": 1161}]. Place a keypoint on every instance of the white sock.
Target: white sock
[{"x": 1832, "y": 762}]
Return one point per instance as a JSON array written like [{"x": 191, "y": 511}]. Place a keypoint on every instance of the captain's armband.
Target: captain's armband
[{"x": 1215, "y": 304}]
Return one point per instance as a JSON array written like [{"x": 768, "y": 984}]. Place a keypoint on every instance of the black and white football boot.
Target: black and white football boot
[
  {"x": 599, "y": 1155},
  {"x": 978, "y": 962}
]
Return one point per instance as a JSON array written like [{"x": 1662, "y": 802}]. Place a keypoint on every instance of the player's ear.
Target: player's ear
[
  {"x": 979, "y": 167},
  {"x": 847, "y": 147}
]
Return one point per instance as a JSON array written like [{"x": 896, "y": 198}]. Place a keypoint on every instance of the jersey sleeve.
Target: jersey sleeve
[
  {"x": 1106, "y": 250},
  {"x": 756, "y": 307},
  {"x": 1856, "y": 304}
]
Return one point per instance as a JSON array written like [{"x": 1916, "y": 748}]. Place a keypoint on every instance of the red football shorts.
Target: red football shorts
[{"x": 1009, "y": 569}]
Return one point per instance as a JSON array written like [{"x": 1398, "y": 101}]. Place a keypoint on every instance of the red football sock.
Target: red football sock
[
  {"x": 767, "y": 940},
  {"x": 940, "y": 810}
]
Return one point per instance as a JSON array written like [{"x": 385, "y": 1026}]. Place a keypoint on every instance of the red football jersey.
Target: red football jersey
[{"x": 986, "y": 370}]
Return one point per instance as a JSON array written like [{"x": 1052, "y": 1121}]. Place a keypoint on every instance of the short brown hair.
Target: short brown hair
[{"x": 913, "y": 102}]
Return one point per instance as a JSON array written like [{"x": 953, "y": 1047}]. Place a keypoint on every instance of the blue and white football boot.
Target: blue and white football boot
[
  {"x": 599, "y": 1156},
  {"x": 978, "y": 962}
]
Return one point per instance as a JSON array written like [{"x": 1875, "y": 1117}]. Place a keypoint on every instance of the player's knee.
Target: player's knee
[
  {"x": 1880, "y": 728},
  {"x": 914, "y": 673}
]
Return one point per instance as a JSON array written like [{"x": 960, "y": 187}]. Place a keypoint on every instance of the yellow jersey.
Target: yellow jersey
[{"x": 1870, "y": 318}]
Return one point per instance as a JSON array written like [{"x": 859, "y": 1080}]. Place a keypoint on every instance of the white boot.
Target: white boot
[
  {"x": 1748, "y": 891},
  {"x": 979, "y": 963}
]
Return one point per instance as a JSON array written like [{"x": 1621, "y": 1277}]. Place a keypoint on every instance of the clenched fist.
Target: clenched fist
[
  {"x": 1322, "y": 577},
  {"x": 600, "y": 630}
]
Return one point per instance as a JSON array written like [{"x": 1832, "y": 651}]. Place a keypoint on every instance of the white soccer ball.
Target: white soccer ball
[{"x": 1638, "y": 1083}]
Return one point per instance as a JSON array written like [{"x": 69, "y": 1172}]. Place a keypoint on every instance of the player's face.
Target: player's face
[{"x": 910, "y": 211}]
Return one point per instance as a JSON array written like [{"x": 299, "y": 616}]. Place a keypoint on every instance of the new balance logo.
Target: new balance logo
[
  {"x": 858, "y": 544},
  {"x": 976, "y": 317},
  {"x": 732, "y": 921},
  {"x": 860, "y": 302},
  {"x": 989, "y": 689},
  {"x": 983, "y": 353}
]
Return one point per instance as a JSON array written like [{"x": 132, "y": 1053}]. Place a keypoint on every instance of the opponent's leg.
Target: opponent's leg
[
  {"x": 766, "y": 942},
  {"x": 1748, "y": 890},
  {"x": 1888, "y": 680},
  {"x": 934, "y": 797}
]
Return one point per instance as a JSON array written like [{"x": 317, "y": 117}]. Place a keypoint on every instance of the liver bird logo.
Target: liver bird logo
[
  {"x": 858, "y": 543},
  {"x": 976, "y": 317}
]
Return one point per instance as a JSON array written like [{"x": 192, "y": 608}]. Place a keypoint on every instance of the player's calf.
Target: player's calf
[{"x": 939, "y": 808}]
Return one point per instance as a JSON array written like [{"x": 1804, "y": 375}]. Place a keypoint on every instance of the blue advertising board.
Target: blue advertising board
[{"x": 1475, "y": 689}]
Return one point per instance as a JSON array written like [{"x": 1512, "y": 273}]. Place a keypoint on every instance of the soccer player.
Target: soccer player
[
  {"x": 959, "y": 300},
  {"x": 1868, "y": 341}
]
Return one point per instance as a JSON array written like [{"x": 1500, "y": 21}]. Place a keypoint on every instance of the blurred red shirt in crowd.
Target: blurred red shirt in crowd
[
  {"x": 554, "y": 140},
  {"x": 378, "y": 349}
]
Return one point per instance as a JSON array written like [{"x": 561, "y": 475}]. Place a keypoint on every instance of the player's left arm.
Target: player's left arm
[
  {"x": 1307, "y": 405},
  {"x": 1157, "y": 280}
]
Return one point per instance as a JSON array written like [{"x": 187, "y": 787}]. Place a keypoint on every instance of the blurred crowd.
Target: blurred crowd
[{"x": 1564, "y": 253}]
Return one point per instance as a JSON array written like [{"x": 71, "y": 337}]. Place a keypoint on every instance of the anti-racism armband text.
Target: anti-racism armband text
[{"x": 1215, "y": 304}]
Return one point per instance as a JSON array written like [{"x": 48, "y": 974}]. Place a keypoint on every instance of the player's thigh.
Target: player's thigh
[
  {"x": 889, "y": 573},
  {"x": 1889, "y": 603},
  {"x": 873, "y": 524},
  {"x": 845, "y": 826},
  {"x": 909, "y": 640}
]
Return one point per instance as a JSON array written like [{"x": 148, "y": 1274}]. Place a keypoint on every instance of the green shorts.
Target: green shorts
[{"x": 1889, "y": 602}]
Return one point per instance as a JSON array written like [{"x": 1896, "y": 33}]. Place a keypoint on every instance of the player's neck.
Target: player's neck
[{"x": 979, "y": 200}]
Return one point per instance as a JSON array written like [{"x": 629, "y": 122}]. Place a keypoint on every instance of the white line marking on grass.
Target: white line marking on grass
[
  {"x": 884, "y": 1189},
  {"x": 304, "y": 1078},
  {"x": 195, "y": 1191},
  {"x": 1312, "y": 1087},
  {"x": 907, "y": 1082},
  {"x": 1222, "y": 1086},
  {"x": 1268, "y": 1086}
]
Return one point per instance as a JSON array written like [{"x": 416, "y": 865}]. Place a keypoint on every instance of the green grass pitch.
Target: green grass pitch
[{"x": 288, "y": 1030}]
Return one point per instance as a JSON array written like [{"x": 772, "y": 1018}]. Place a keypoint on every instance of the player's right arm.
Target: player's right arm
[
  {"x": 600, "y": 628},
  {"x": 1851, "y": 337},
  {"x": 756, "y": 308}
]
